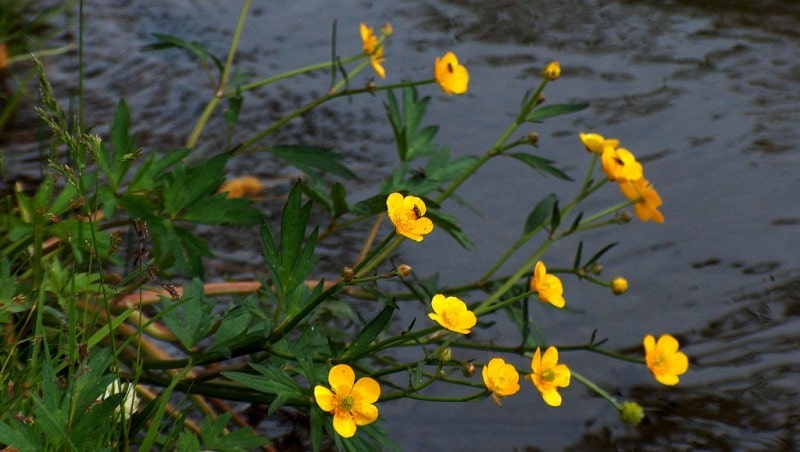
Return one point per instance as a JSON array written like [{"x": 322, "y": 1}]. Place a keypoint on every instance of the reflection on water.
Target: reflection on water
[{"x": 706, "y": 93}]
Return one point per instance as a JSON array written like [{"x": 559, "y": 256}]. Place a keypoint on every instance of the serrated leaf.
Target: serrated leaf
[
  {"x": 219, "y": 209},
  {"x": 550, "y": 111},
  {"x": 540, "y": 164},
  {"x": 369, "y": 333},
  {"x": 186, "y": 186},
  {"x": 312, "y": 159},
  {"x": 539, "y": 214},
  {"x": 194, "y": 318},
  {"x": 370, "y": 206}
]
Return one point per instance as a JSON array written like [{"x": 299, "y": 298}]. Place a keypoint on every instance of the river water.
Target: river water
[{"x": 705, "y": 93}]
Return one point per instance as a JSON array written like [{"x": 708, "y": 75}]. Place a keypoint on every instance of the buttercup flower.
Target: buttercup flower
[
  {"x": 552, "y": 71},
  {"x": 620, "y": 164},
  {"x": 548, "y": 375},
  {"x": 241, "y": 187},
  {"x": 595, "y": 142},
  {"x": 406, "y": 214},
  {"x": 351, "y": 404},
  {"x": 646, "y": 197},
  {"x": 500, "y": 378},
  {"x": 619, "y": 285},
  {"x": 548, "y": 287},
  {"x": 452, "y": 77},
  {"x": 373, "y": 48},
  {"x": 664, "y": 360},
  {"x": 452, "y": 313}
]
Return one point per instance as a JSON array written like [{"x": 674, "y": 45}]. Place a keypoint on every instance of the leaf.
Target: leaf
[
  {"x": 195, "y": 48},
  {"x": 186, "y": 186},
  {"x": 219, "y": 209},
  {"x": 540, "y": 213},
  {"x": 599, "y": 254},
  {"x": 339, "y": 200},
  {"x": 310, "y": 159},
  {"x": 549, "y": 111},
  {"x": 555, "y": 218},
  {"x": 368, "y": 334},
  {"x": 539, "y": 164},
  {"x": 370, "y": 206},
  {"x": 271, "y": 381},
  {"x": 194, "y": 318},
  {"x": 448, "y": 223}
]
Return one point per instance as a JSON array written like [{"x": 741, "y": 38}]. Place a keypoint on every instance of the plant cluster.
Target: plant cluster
[{"x": 115, "y": 338}]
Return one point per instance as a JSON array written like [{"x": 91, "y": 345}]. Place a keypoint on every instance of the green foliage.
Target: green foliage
[
  {"x": 104, "y": 260},
  {"x": 193, "y": 317}
]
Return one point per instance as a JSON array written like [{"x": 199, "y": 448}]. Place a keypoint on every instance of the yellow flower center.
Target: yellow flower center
[{"x": 548, "y": 375}]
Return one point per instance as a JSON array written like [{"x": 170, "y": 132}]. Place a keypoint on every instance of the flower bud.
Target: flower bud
[
  {"x": 625, "y": 217},
  {"x": 387, "y": 29},
  {"x": 631, "y": 413},
  {"x": 348, "y": 274},
  {"x": 533, "y": 139},
  {"x": 468, "y": 369},
  {"x": 446, "y": 355},
  {"x": 552, "y": 71},
  {"x": 403, "y": 270},
  {"x": 595, "y": 269},
  {"x": 619, "y": 285}
]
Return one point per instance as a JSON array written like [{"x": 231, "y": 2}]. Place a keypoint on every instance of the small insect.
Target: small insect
[
  {"x": 417, "y": 212},
  {"x": 450, "y": 68}
]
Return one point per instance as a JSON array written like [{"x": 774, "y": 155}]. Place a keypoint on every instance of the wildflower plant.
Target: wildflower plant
[{"x": 294, "y": 339}]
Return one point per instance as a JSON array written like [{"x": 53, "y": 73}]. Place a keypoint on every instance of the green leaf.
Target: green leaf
[
  {"x": 448, "y": 223},
  {"x": 549, "y": 111},
  {"x": 186, "y": 186},
  {"x": 368, "y": 334},
  {"x": 599, "y": 254},
  {"x": 195, "y": 48},
  {"x": 271, "y": 381},
  {"x": 555, "y": 218},
  {"x": 311, "y": 159},
  {"x": 539, "y": 164},
  {"x": 411, "y": 143},
  {"x": 339, "y": 200},
  {"x": 370, "y": 206},
  {"x": 540, "y": 213},
  {"x": 214, "y": 437},
  {"x": 219, "y": 209},
  {"x": 19, "y": 436},
  {"x": 193, "y": 319}
]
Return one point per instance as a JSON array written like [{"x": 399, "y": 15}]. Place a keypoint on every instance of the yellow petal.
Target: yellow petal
[
  {"x": 550, "y": 358},
  {"x": 667, "y": 344},
  {"x": 536, "y": 361},
  {"x": 552, "y": 398},
  {"x": 341, "y": 377},
  {"x": 325, "y": 398},
  {"x": 365, "y": 414},
  {"x": 366, "y": 390},
  {"x": 344, "y": 424}
]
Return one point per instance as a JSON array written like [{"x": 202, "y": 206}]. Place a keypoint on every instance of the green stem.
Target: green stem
[
  {"x": 288, "y": 74},
  {"x": 590, "y": 384},
  {"x": 379, "y": 254},
  {"x": 223, "y": 80}
]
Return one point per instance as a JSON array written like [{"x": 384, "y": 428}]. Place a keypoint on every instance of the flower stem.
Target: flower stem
[
  {"x": 223, "y": 80},
  {"x": 591, "y": 385}
]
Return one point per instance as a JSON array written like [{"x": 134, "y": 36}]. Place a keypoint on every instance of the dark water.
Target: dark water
[{"x": 705, "y": 93}]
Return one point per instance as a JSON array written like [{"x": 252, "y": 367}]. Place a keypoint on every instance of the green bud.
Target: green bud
[{"x": 631, "y": 413}]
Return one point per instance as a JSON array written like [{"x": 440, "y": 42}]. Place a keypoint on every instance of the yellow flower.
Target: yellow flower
[
  {"x": 646, "y": 197},
  {"x": 552, "y": 71},
  {"x": 452, "y": 77},
  {"x": 351, "y": 404},
  {"x": 548, "y": 287},
  {"x": 620, "y": 164},
  {"x": 500, "y": 378},
  {"x": 595, "y": 142},
  {"x": 406, "y": 214},
  {"x": 241, "y": 187},
  {"x": 619, "y": 285},
  {"x": 548, "y": 375},
  {"x": 452, "y": 313},
  {"x": 373, "y": 48},
  {"x": 664, "y": 360}
]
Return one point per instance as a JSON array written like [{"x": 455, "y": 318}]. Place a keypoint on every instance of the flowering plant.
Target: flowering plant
[{"x": 295, "y": 337}]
